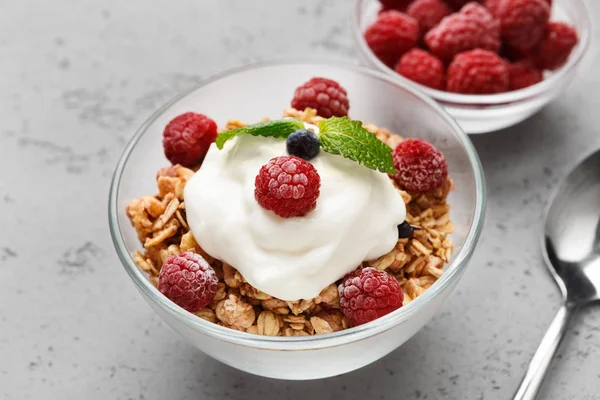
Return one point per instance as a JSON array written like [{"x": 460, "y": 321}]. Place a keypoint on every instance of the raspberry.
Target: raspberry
[
  {"x": 522, "y": 22},
  {"x": 399, "y": 5},
  {"x": 324, "y": 95},
  {"x": 523, "y": 74},
  {"x": 428, "y": 13},
  {"x": 472, "y": 27},
  {"x": 556, "y": 46},
  {"x": 391, "y": 35},
  {"x": 368, "y": 294},
  {"x": 288, "y": 186},
  {"x": 188, "y": 281},
  {"x": 491, "y": 5},
  {"x": 477, "y": 72},
  {"x": 421, "y": 167},
  {"x": 187, "y": 138},
  {"x": 475, "y": 10},
  {"x": 422, "y": 67}
]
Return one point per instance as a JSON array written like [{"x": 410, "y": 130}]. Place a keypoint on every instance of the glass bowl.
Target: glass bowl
[
  {"x": 487, "y": 113},
  {"x": 249, "y": 94}
]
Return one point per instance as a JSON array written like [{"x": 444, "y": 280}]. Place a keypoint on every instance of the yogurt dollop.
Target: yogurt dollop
[{"x": 356, "y": 219}]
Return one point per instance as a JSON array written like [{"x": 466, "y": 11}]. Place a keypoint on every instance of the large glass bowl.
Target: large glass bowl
[
  {"x": 249, "y": 94},
  {"x": 487, "y": 113}
]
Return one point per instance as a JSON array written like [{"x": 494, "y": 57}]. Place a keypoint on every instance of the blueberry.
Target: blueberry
[
  {"x": 405, "y": 230},
  {"x": 303, "y": 143}
]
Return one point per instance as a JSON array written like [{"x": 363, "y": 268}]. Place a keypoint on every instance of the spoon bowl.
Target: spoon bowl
[
  {"x": 571, "y": 248},
  {"x": 572, "y": 233}
]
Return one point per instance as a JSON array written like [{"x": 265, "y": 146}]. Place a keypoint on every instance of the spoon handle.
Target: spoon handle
[{"x": 532, "y": 381}]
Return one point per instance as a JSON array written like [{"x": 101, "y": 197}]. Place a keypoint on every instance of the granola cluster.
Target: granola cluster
[{"x": 417, "y": 262}]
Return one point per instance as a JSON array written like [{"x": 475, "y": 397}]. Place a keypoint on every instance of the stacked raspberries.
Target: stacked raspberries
[{"x": 476, "y": 47}]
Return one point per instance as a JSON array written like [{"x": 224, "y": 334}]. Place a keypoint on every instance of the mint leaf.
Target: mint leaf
[
  {"x": 349, "y": 139},
  {"x": 279, "y": 128}
]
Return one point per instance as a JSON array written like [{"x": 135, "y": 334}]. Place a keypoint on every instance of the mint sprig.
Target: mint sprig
[
  {"x": 349, "y": 139},
  {"x": 280, "y": 128},
  {"x": 340, "y": 136}
]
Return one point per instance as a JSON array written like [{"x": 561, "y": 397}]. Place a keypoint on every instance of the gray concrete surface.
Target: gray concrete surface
[{"x": 78, "y": 77}]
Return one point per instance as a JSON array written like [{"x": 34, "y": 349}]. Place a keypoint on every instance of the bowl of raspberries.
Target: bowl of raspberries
[{"x": 490, "y": 63}]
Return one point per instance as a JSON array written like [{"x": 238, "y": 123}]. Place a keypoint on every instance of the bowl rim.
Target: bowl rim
[
  {"x": 452, "y": 273},
  {"x": 499, "y": 99}
]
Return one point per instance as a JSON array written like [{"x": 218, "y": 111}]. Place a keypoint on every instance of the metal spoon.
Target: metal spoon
[{"x": 571, "y": 248}]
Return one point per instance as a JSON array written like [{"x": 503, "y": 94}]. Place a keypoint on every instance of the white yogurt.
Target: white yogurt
[{"x": 356, "y": 219}]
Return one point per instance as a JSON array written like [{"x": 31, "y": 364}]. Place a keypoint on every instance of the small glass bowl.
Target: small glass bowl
[
  {"x": 248, "y": 94},
  {"x": 487, "y": 113}
]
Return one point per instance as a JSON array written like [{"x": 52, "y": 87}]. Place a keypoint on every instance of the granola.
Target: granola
[{"x": 417, "y": 262}]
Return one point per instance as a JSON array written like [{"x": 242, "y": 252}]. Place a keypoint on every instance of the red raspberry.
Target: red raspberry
[
  {"x": 187, "y": 137},
  {"x": 523, "y": 74},
  {"x": 472, "y": 27},
  {"x": 556, "y": 46},
  {"x": 188, "y": 281},
  {"x": 476, "y": 10},
  {"x": 391, "y": 35},
  {"x": 428, "y": 13},
  {"x": 477, "y": 72},
  {"x": 422, "y": 67},
  {"x": 398, "y": 5},
  {"x": 522, "y": 22},
  {"x": 490, "y": 25},
  {"x": 324, "y": 95},
  {"x": 288, "y": 186},
  {"x": 491, "y": 5},
  {"x": 421, "y": 167},
  {"x": 368, "y": 294}
]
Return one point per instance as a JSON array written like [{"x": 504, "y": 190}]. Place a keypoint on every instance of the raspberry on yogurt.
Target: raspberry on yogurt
[{"x": 288, "y": 186}]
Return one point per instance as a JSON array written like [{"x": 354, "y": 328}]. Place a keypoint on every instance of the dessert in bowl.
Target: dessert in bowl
[
  {"x": 490, "y": 63},
  {"x": 348, "y": 261}
]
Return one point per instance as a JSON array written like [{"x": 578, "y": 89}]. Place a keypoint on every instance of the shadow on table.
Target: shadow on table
[
  {"x": 522, "y": 164},
  {"x": 437, "y": 363},
  {"x": 401, "y": 374},
  {"x": 547, "y": 130}
]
